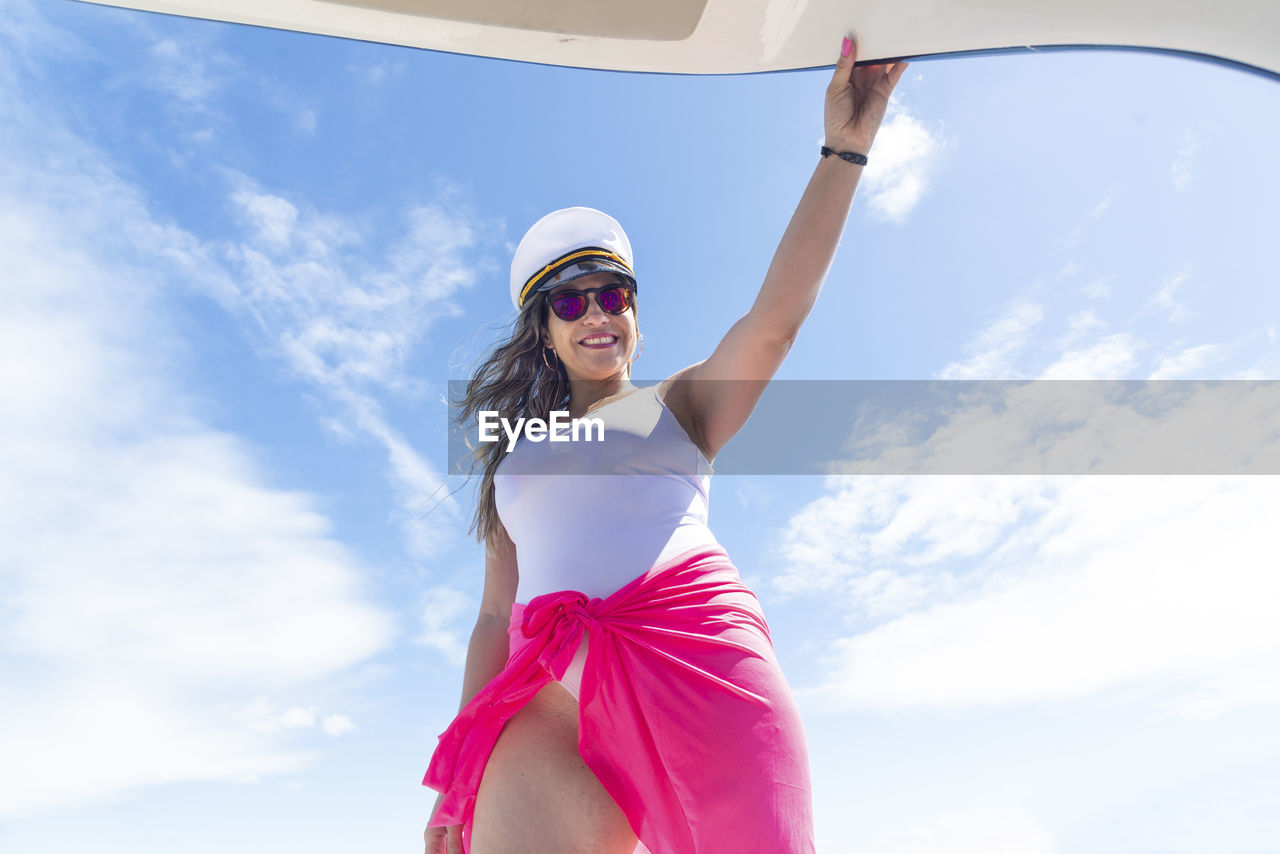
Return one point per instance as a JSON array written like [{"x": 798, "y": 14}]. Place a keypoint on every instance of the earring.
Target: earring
[
  {"x": 544, "y": 357},
  {"x": 637, "y": 355}
]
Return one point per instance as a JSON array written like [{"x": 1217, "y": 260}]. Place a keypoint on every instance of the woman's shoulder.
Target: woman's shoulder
[
  {"x": 676, "y": 386},
  {"x": 673, "y": 393}
]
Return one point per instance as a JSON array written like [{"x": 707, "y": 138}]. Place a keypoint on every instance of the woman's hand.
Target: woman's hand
[
  {"x": 443, "y": 840},
  {"x": 857, "y": 99}
]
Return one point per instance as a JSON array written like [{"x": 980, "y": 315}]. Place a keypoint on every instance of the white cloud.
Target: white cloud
[
  {"x": 306, "y": 119},
  {"x": 1180, "y": 168},
  {"x": 1051, "y": 427},
  {"x": 264, "y": 716},
  {"x": 1267, "y": 367},
  {"x": 155, "y": 581},
  {"x": 377, "y": 73},
  {"x": 103, "y": 736},
  {"x": 1085, "y": 228},
  {"x": 1080, "y": 325},
  {"x": 985, "y": 591},
  {"x": 149, "y": 566},
  {"x": 1160, "y": 586},
  {"x": 870, "y": 534},
  {"x": 305, "y": 284},
  {"x": 975, "y": 826},
  {"x": 1166, "y": 297},
  {"x": 992, "y": 351},
  {"x": 336, "y": 725},
  {"x": 1111, "y": 358},
  {"x": 1098, "y": 288},
  {"x": 27, "y": 37},
  {"x": 341, "y": 321},
  {"x": 190, "y": 72},
  {"x": 1186, "y": 363},
  {"x": 440, "y": 609},
  {"x": 754, "y": 494},
  {"x": 271, "y": 217},
  {"x": 897, "y": 174}
]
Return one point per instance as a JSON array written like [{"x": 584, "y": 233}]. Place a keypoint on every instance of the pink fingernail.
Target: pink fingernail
[{"x": 844, "y": 48}]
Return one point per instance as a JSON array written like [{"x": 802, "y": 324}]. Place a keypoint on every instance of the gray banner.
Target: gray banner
[{"x": 979, "y": 427}]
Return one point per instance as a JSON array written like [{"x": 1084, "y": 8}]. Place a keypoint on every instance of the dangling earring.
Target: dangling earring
[
  {"x": 544, "y": 357},
  {"x": 637, "y": 355}
]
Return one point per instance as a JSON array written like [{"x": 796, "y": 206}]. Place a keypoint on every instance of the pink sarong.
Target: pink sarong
[{"x": 684, "y": 715}]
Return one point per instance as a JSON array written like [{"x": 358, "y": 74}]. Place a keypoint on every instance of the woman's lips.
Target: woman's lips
[{"x": 599, "y": 342}]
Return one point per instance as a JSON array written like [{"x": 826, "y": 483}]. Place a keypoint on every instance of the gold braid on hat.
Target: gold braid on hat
[{"x": 540, "y": 278}]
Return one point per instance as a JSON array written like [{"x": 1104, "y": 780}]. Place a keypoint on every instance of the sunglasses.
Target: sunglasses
[{"x": 570, "y": 305}]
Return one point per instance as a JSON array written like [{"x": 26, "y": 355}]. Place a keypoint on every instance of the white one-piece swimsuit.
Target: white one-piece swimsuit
[{"x": 592, "y": 516}]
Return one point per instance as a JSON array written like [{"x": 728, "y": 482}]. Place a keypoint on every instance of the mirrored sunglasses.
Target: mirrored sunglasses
[{"x": 569, "y": 305}]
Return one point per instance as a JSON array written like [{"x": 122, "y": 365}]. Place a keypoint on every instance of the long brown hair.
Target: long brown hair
[{"x": 516, "y": 381}]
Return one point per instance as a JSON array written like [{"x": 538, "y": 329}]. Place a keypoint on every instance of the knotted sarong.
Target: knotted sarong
[{"x": 683, "y": 715}]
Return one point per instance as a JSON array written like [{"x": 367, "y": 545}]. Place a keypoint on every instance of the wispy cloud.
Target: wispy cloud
[
  {"x": 1084, "y": 229},
  {"x": 1110, "y": 358},
  {"x": 1166, "y": 297},
  {"x": 333, "y": 299},
  {"x": 171, "y": 613},
  {"x": 1187, "y": 363},
  {"x": 341, "y": 320},
  {"x": 1180, "y": 169},
  {"x": 1119, "y": 582},
  {"x": 754, "y": 494},
  {"x": 440, "y": 610},
  {"x": 150, "y": 565},
  {"x": 1081, "y": 325},
  {"x": 1098, "y": 288},
  {"x": 897, "y": 174},
  {"x": 377, "y": 73},
  {"x": 869, "y": 535},
  {"x": 190, "y": 72},
  {"x": 305, "y": 285},
  {"x": 980, "y": 591},
  {"x": 969, "y": 591},
  {"x": 1032, "y": 427},
  {"x": 1081, "y": 585},
  {"x": 968, "y": 824},
  {"x": 993, "y": 349},
  {"x": 336, "y": 725},
  {"x": 29, "y": 40},
  {"x": 264, "y": 716}
]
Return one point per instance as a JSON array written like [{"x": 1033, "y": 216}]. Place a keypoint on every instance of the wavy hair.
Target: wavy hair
[{"x": 516, "y": 382}]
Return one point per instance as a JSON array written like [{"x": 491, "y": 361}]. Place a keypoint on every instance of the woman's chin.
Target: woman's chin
[{"x": 599, "y": 371}]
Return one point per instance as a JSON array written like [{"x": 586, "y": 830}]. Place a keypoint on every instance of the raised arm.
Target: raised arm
[
  {"x": 486, "y": 653},
  {"x": 722, "y": 390}
]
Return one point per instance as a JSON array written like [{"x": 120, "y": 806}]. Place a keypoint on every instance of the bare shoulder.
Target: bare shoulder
[
  {"x": 712, "y": 404},
  {"x": 675, "y": 392}
]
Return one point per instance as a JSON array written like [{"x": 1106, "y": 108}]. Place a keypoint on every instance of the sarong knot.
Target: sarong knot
[{"x": 544, "y": 612}]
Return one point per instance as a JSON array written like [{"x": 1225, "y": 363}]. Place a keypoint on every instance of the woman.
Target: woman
[{"x": 620, "y": 690}]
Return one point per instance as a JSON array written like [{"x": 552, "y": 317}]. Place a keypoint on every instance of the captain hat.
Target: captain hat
[{"x": 565, "y": 245}]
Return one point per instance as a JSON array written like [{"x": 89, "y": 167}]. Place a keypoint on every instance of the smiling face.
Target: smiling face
[{"x": 596, "y": 346}]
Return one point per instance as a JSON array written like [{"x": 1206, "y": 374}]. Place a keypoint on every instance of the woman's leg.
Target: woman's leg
[{"x": 537, "y": 796}]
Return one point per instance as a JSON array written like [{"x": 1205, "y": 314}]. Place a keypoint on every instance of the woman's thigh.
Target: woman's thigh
[{"x": 537, "y": 795}]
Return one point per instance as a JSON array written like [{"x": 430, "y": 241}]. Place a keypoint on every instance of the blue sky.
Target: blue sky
[{"x": 240, "y": 267}]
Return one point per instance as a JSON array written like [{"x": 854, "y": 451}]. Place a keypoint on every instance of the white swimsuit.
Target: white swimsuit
[{"x": 591, "y": 516}]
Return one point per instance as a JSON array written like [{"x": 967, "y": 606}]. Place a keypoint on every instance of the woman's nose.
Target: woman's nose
[{"x": 594, "y": 311}]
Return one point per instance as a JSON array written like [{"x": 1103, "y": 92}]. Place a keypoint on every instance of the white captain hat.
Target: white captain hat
[{"x": 566, "y": 244}]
